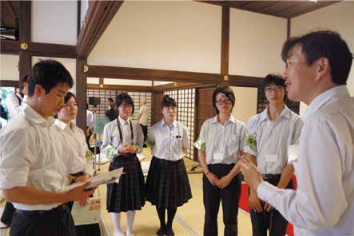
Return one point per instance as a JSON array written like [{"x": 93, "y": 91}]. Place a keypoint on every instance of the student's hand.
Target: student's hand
[
  {"x": 78, "y": 193},
  {"x": 251, "y": 174},
  {"x": 82, "y": 178},
  {"x": 83, "y": 203},
  {"x": 133, "y": 149},
  {"x": 124, "y": 149},
  {"x": 224, "y": 181},
  {"x": 254, "y": 202},
  {"x": 268, "y": 207},
  {"x": 212, "y": 178}
]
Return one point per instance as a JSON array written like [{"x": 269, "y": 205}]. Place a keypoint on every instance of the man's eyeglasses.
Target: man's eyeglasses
[
  {"x": 222, "y": 101},
  {"x": 273, "y": 88}
]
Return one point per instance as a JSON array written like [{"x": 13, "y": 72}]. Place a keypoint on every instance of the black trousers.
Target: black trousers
[
  {"x": 272, "y": 220},
  {"x": 8, "y": 213},
  {"x": 52, "y": 222},
  {"x": 145, "y": 131},
  {"x": 229, "y": 197}
]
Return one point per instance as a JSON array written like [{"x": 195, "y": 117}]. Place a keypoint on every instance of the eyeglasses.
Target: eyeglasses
[
  {"x": 274, "y": 88},
  {"x": 221, "y": 101}
]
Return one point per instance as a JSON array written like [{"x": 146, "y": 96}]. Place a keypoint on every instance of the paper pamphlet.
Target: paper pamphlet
[
  {"x": 106, "y": 178},
  {"x": 89, "y": 214}
]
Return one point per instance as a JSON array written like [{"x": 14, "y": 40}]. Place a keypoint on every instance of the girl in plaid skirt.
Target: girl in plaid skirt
[
  {"x": 167, "y": 184},
  {"x": 122, "y": 139}
]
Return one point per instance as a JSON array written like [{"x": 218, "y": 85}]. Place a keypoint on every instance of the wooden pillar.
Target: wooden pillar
[
  {"x": 81, "y": 86},
  {"x": 225, "y": 41}
]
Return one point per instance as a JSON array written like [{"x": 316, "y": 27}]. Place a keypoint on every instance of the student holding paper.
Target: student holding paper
[
  {"x": 122, "y": 140},
  {"x": 79, "y": 168},
  {"x": 33, "y": 163},
  {"x": 167, "y": 184}
]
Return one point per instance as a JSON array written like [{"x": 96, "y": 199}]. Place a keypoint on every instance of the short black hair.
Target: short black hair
[
  {"x": 326, "y": 44},
  {"x": 48, "y": 74},
  {"x": 124, "y": 97},
  {"x": 68, "y": 96},
  {"x": 110, "y": 99},
  {"x": 228, "y": 92},
  {"x": 273, "y": 79},
  {"x": 167, "y": 101}
]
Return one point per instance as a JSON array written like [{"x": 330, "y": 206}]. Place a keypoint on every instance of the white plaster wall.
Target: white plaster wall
[
  {"x": 338, "y": 17},
  {"x": 9, "y": 67},
  {"x": 173, "y": 35},
  {"x": 128, "y": 82},
  {"x": 92, "y": 80},
  {"x": 255, "y": 43},
  {"x": 70, "y": 65},
  {"x": 246, "y": 103},
  {"x": 54, "y": 22}
]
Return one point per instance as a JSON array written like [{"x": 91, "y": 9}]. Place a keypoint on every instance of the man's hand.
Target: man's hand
[
  {"x": 78, "y": 193},
  {"x": 212, "y": 178},
  {"x": 251, "y": 174},
  {"x": 133, "y": 149},
  {"x": 224, "y": 181},
  {"x": 255, "y": 203}
]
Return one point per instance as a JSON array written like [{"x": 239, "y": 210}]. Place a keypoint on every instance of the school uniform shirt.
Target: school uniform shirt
[
  {"x": 323, "y": 203},
  {"x": 33, "y": 153},
  {"x": 111, "y": 135},
  {"x": 169, "y": 140},
  {"x": 222, "y": 143},
  {"x": 78, "y": 147},
  {"x": 90, "y": 118},
  {"x": 268, "y": 140}
]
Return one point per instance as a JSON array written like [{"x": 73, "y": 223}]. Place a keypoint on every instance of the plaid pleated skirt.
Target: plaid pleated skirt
[
  {"x": 167, "y": 183},
  {"x": 129, "y": 193}
]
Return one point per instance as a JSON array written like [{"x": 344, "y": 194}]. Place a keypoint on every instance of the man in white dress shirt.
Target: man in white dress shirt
[
  {"x": 317, "y": 69},
  {"x": 33, "y": 163}
]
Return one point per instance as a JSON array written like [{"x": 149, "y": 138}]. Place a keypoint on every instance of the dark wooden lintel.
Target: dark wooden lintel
[{"x": 121, "y": 88}]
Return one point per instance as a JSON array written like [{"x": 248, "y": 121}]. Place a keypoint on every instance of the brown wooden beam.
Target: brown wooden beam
[
  {"x": 120, "y": 88},
  {"x": 9, "y": 83},
  {"x": 11, "y": 10},
  {"x": 9, "y": 47},
  {"x": 38, "y": 49},
  {"x": 244, "y": 81},
  {"x": 288, "y": 28},
  {"x": 225, "y": 40},
  {"x": 25, "y": 21},
  {"x": 99, "y": 15},
  {"x": 25, "y": 63},
  {"x": 152, "y": 74},
  {"x": 175, "y": 85},
  {"x": 81, "y": 86}
]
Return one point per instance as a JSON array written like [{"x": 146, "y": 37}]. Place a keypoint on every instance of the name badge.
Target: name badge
[
  {"x": 271, "y": 158},
  {"x": 218, "y": 156}
]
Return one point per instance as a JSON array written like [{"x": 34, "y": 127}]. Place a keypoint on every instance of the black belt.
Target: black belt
[
  {"x": 271, "y": 176},
  {"x": 59, "y": 209}
]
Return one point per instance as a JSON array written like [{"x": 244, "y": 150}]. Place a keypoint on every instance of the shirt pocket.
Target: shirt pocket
[{"x": 233, "y": 143}]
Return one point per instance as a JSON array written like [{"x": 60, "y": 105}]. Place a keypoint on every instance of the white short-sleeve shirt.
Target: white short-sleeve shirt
[
  {"x": 169, "y": 140},
  {"x": 33, "y": 153},
  {"x": 268, "y": 140},
  {"x": 222, "y": 143}
]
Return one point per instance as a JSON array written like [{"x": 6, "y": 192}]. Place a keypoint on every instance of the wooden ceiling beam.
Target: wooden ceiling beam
[
  {"x": 11, "y": 10},
  {"x": 169, "y": 75},
  {"x": 99, "y": 15},
  {"x": 38, "y": 49}
]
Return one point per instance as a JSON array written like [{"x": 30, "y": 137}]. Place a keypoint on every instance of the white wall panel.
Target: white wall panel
[
  {"x": 175, "y": 35},
  {"x": 9, "y": 67}
]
